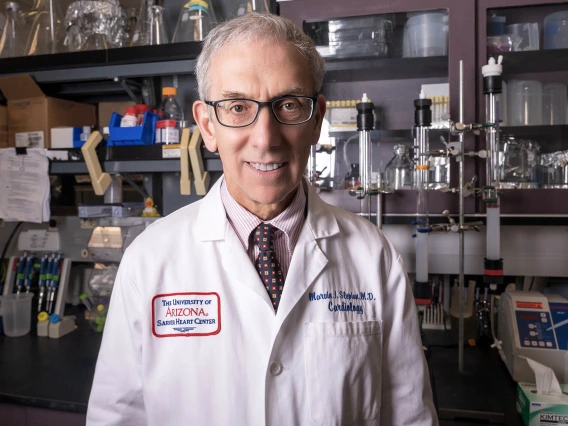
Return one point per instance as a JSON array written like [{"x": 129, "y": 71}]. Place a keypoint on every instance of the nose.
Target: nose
[{"x": 265, "y": 131}]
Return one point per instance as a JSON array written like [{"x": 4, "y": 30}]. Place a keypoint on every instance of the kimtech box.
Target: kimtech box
[
  {"x": 542, "y": 410},
  {"x": 32, "y": 114}
]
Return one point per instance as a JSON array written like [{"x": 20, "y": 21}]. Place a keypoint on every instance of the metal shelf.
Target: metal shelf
[
  {"x": 385, "y": 68},
  {"x": 128, "y": 62},
  {"x": 535, "y": 61},
  {"x": 144, "y": 166}
]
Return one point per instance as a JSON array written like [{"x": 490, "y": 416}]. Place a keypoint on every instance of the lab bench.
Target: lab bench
[{"x": 50, "y": 379}]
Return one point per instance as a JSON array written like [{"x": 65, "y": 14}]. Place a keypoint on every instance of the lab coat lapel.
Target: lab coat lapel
[{"x": 308, "y": 260}]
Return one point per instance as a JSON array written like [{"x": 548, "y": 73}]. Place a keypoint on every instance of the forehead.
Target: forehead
[{"x": 259, "y": 69}]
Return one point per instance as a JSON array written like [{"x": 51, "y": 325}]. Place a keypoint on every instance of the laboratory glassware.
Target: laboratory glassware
[
  {"x": 260, "y": 6},
  {"x": 520, "y": 160},
  {"x": 439, "y": 172},
  {"x": 426, "y": 34},
  {"x": 196, "y": 19},
  {"x": 131, "y": 21},
  {"x": 170, "y": 108},
  {"x": 47, "y": 31},
  {"x": 399, "y": 172},
  {"x": 554, "y": 170},
  {"x": 12, "y": 42},
  {"x": 352, "y": 178},
  {"x": 529, "y": 33},
  {"x": 150, "y": 28},
  {"x": 554, "y": 97}
]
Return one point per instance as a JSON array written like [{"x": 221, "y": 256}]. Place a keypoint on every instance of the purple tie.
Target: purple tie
[{"x": 267, "y": 263}]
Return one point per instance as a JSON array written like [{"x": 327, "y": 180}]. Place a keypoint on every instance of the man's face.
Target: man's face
[{"x": 261, "y": 71}]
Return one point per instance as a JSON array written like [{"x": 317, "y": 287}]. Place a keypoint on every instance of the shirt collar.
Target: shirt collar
[{"x": 244, "y": 222}]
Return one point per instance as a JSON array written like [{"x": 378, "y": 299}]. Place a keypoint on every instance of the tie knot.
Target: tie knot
[{"x": 264, "y": 236}]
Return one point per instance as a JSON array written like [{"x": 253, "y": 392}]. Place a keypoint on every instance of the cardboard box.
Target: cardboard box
[
  {"x": 541, "y": 410},
  {"x": 4, "y": 141},
  {"x": 32, "y": 114},
  {"x": 107, "y": 108}
]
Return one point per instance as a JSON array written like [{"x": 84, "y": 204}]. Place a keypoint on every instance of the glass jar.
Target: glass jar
[
  {"x": 520, "y": 160},
  {"x": 399, "y": 172}
]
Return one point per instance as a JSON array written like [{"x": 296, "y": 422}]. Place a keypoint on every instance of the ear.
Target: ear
[
  {"x": 319, "y": 114},
  {"x": 205, "y": 123}
]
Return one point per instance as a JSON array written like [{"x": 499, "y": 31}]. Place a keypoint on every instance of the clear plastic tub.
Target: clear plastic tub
[
  {"x": 524, "y": 98},
  {"x": 433, "y": 17},
  {"x": 427, "y": 40},
  {"x": 529, "y": 34},
  {"x": 554, "y": 98},
  {"x": 556, "y": 30},
  {"x": 17, "y": 314}
]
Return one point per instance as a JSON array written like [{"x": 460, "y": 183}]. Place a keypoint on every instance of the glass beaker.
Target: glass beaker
[
  {"x": 196, "y": 19},
  {"x": 12, "y": 43},
  {"x": 47, "y": 31},
  {"x": 399, "y": 172}
]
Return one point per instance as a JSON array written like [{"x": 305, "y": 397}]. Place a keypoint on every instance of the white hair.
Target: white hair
[{"x": 256, "y": 26}]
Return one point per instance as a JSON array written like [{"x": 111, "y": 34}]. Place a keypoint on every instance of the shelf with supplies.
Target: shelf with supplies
[
  {"x": 338, "y": 70},
  {"x": 166, "y": 59},
  {"x": 127, "y": 159}
]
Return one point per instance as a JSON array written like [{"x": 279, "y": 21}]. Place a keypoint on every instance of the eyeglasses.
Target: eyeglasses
[{"x": 289, "y": 110}]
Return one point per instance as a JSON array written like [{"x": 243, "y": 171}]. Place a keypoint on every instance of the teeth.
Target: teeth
[{"x": 266, "y": 167}]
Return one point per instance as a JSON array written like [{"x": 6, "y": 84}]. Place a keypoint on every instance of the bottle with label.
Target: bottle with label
[
  {"x": 140, "y": 111},
  {"x": 130, "y": 118},
  {"x": 170, "y": 108},
  {"x": 167, "y": 132}
]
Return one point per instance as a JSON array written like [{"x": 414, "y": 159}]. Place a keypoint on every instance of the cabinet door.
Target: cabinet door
[
  {"x": 393, "y": 84},
  {"x": 534, "y": 104}
]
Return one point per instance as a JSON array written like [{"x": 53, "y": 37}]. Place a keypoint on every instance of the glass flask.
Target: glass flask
[
  {"x": 260, "y": 6},
  {"x": 352, "y": 178},
  {"x": 47, "y": 32},
  {"x": 196, "y": 19},
  {"x": 150, "y": 28},
  {"x": 399, "y": 172},
  {"x": 131, "y": 20},
  {"x": 12, "y": 42}
]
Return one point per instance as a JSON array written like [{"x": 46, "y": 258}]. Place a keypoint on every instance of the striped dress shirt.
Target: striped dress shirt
[{"x": 289, "y": 224}]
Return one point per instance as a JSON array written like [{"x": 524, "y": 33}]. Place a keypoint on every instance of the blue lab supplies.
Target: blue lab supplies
[{"x": 139, "y": 135}]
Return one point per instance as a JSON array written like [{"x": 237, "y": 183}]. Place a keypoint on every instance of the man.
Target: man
[{"x": 261, "y": 304}]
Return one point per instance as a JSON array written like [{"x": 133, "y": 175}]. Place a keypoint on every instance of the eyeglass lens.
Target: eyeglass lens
[{"x": 243, "y": 112}]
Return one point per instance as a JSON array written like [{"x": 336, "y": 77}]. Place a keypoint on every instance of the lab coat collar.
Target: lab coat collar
[{"x": 320, "y": 219}]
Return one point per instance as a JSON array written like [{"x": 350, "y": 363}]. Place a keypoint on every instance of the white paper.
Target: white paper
[
  {"x": 24, "y": 186},
  {"x": 546, "y": 381}
]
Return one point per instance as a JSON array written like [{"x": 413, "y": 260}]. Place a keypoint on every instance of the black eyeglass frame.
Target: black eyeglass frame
[{"x": 269, "y": 104}]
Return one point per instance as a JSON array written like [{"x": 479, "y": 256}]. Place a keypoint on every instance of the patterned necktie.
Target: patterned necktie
[{"x": 267, "y": 263}]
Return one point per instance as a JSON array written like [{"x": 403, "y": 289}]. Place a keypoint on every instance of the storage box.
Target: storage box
[
  {"x": 66, "y": 137},
  {"x": 138, "y": 135},
  {"x": 107, "y": 108},
  {"x": 32, "y": 114},
  {"x": 4, "y": 141},
  {"x": 541, "y": 410}
]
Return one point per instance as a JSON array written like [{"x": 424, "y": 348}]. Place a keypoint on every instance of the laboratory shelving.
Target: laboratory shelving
[{"x": 535, "y": 61}]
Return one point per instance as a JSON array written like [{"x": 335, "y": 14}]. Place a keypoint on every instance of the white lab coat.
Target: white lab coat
[{"x": 328, "y": 357}]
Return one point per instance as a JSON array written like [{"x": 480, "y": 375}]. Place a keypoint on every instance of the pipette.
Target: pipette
[
  {"x": 21, "y": 273},
  {"x": 29, "y": 272},
  {"x": 54, "y": 282},
  {"x": 48, "y": 278},
  {"x": 42, "y": 279}
]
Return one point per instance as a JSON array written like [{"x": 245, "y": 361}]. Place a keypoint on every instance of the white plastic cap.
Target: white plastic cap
[
  {"x": 365, "y": 98},
  {"x": 492, "y": 67},
  {"x": 422, "y": 95}
]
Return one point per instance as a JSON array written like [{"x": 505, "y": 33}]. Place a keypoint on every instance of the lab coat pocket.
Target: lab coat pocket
[{"x": 343, "y": 371}]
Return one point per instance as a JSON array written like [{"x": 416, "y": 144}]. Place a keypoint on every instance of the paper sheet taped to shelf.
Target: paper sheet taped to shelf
[{"x": 24, "y": 187}]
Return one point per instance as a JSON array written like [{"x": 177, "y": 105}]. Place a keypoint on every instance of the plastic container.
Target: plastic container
[
  {"x": 504, "y": 43},
  {"x": 139, "y": 135},
  {"x": 524, "y": 103},
  {"x": 556, "y": 30},
  {"x": 17, "y": 314},
  {"x": 170, "y": 108},
  {"x": 426, "y": 34},
  {"x": 130, "y": 118},
  {"x": 140, "y": 111},
  {"x": 496, "y": 25},
  {"x": 554, "y": 97},
  {"x": 167, "y": 132},
  {"x": 529, "y": 34}
]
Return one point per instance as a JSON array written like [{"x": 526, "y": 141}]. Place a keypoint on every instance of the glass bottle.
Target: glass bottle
[
  {"x": 47, "y": 32},
  {"x": 352, "y": 178},
  {"x": 196, "y": 19},
  {"x": 399, "y": 172},
  {"x": 260, "y": 6},
  {"x": 12, "y": 42},
  {"x": 170, "y": 108}
]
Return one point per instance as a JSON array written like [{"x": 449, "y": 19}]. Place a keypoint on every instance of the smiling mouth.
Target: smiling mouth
[{"x": 266, "y": 167}]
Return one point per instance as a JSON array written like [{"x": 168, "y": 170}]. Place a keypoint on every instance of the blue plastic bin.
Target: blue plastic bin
[{"x": 139, "y": 135}]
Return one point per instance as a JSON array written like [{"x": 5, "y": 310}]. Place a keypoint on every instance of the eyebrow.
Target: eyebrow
[{"x": 298, "y": 90}]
